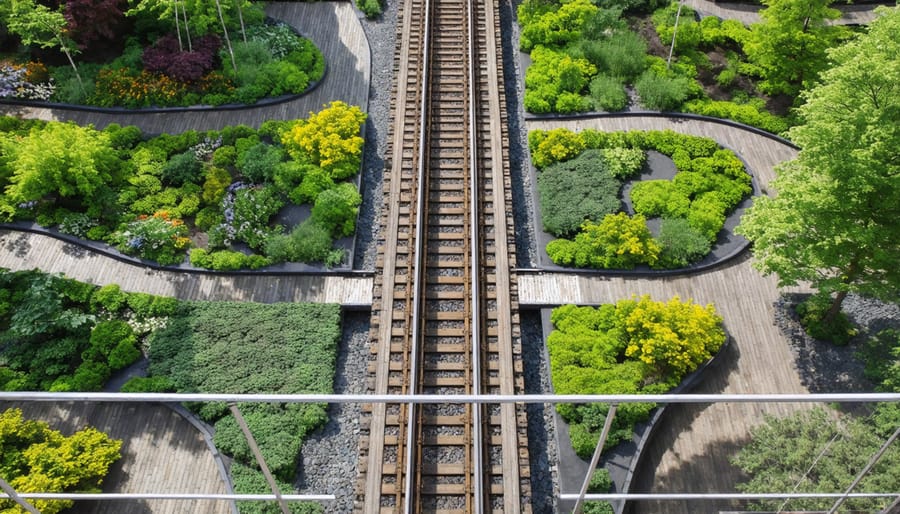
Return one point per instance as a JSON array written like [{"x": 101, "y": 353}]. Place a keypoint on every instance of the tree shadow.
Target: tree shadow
[{"x": 19, "y": 243}]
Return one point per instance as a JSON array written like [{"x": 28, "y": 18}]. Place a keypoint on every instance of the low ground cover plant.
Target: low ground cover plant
[
  {"x": 37, "y": 459},
  {"x": 102, "y": 54},
  {"x": 636, "y": 346},
  {"x": 216, "y": 194},
  {"x": 231, "y": 347},
  {"x": 583, "y": 56},
  {"x": 580, "y": 185},
  {"x": 62, "y": 335}
]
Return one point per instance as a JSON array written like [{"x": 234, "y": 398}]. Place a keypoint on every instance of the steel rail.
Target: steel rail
[
  {"x": 418, "y": 258},
  {"x": 481, "y": 399},
  {"x": 475, "y": 256}
]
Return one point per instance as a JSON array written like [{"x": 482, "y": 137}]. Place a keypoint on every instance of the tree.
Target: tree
[
  {"x": 62, "y": 159},
  {"x": 36, "y": 24},
  {"x": 93, "y": 20},
  {"x": 812, "y": 452},
  {"x": 834, "y": 221},
  {"x": 789, "y": 45},
  {"x": 38, "y": 459}
]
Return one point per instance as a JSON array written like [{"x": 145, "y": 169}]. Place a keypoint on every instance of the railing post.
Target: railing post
[
  {"x": 259, "y": 458},
  {"x": 607, "y": 424}
]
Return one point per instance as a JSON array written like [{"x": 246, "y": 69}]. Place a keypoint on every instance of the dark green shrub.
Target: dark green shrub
[
  {"x": 150, "y": 306},
  {"x": 224, "y": 156},
  {"x": 577, "y": 190},
  {"x": 622, "y": 55},
  {"x": 371, "y": 8},
  {"x": 122, "y": 138},
  {"x": 182, "y": 168},
  {"x": 661, "y": 93},
  {"x": 583, "y": 441},
  {"x": 124, "y": 354},
  {"x": 598, "y": 507},
  {"x": 250, "y": 57},
  {"x": 308, "y": 242},
  {"x": 208, "y": 217},
  {"x": 258, "y": 163},
  {"x": 608, "y": 94},
  {"x": 681, "y": 244},
  {"x": 812, "y": 311},
  {"x": 881, "y": 353},
  {"x": 106, "y": 337},
  {"x": 148, "y": 385},
  {"x": 250, "y": 480},
  {"x": 315, "y": 180}
]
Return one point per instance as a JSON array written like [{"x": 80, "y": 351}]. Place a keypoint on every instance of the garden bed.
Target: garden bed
[
  {"x": 595, "y": 174},
  {"x": 238, "y": 198},
  {"x": 621, "y": 459}
]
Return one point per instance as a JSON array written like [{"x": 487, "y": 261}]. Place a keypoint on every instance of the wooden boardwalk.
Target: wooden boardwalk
[
  {"x": 333, "y": 26},
  {"x": 22, "y": 250},
  {"x": 749, "y": 13},
  {"x": 690, "y": 451},
  {"x": 161, "y": 453}
]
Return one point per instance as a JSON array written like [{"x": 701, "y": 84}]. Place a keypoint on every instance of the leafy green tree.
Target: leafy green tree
[
  {"x": 59, "y": 159},
  {"x": 789, "y": 45},
  {"x": 811, "y": 451},
  {"x": 834, "y": 220},
  {"x": 37, "y": 24},
  {"x": 38, "y": 459}
]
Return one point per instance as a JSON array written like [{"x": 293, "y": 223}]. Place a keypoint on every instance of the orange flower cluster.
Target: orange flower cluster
[
  {"x": 123, "y": 87},
  {"x": 36, "y": 72}
]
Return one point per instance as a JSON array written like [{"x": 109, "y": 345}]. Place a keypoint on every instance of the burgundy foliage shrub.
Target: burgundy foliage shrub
[
  {"x": 93, "y": 20},
  {"x": 167, "y": 58}
]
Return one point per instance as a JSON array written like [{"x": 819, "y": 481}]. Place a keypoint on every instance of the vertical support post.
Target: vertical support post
[
  {"x": 259, "y": 458},
  {"x": 674, "y": 32},
  {"x": 607, "y": 425},
  {"x": 8, "y": 489},
  {"x": 862, "y": 474}
]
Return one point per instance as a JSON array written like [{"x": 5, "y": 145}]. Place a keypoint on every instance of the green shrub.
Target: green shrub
[
  {"x": 371, "y": 8},
  {"x": 148, "y": 385},
  {"x": 253, "y": 208},
  {"x": 598, "y": 507},
  {"x": 208, "y": 217},
  {"x": 307, "y": 242},
  {"x": 662, "y": 93},
  {"x": 182, "y": 168},
  {"x": 553, "y": 145},
  {"x": 584, "y": 442},
  {"x": 216, "y": 183},
  {"x": 608, "y": 94},
  {"x": 600, "y": 481},
  {"x": 124, "y": 354},
  {"x": 681, "y": 244},
  {"x": 250, "y": 57},
  {"x": 881, "y": 354},
  {"x": 226, "y": 260},
  {"x": 743, "y": 113},
  {"x": 150, "y": 306},
  {"x": 110, "y": 297},
  {"x": 618, "y": 241},
  {"x": 577, "y": 190},
  {"x": 257, "y": 163},
  {"x": 224, "y": 156},
  {"x": 661, "y": 198},
  {"x": 622, "y": 55},
  {"x": 707, "y": 215},
  {"x": 336, "y": 209},
  {"x": 157, "y": 238},
  {"x": 105, "y": 337},
  {"x": 812, "y": 312}
]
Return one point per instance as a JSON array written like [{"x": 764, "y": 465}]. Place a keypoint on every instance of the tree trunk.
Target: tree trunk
[
  {"x": 227, "y": 39},
  {"x": 178, "y": 28},
  {"x": 241, "y": 18},
  {"x": 187, "y": 28},
  {"x": 835, "y": 308},
  {"x": 65, "y": 49}
]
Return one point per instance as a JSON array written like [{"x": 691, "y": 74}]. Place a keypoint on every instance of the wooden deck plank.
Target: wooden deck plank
[
  {"x": 22, "y": 251},
  {"x": 347, "y": 77},
  {"x": 161, "y": 452}
]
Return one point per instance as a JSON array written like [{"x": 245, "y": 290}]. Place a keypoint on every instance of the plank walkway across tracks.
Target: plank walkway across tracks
[
  {"x": 690, "y": 451},
  {"x": 333, "y": 26},
  {"x": 22, "y": 250},
  {"x": 161, "y": 452}
]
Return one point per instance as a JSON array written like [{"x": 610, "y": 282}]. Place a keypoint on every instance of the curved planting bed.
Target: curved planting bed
[
  {"x": 636, "y": 346},
  {"x": 152, "y": 57},
  {"x": 644, "y": 201},
  {"x": 234, "y": 198}
]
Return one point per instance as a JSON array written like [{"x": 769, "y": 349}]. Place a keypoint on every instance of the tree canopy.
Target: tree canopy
[{"x": 833, "y": 222}]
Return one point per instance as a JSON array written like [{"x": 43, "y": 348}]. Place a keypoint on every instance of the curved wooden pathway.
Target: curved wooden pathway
[
  {"x": 690, "y": 451},
  {"x": 749, "y": 13}
]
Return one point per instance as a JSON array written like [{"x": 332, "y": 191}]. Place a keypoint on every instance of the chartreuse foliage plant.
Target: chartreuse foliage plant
[
  {"x": 39, "y": 459},
  {"x": 580, "y": 182},
  {"x": 230, "y": 347},
  {"x": 155, "y": 198},
  {"x": 62, "y": 335},
  {"x": 632, "y": 347}
]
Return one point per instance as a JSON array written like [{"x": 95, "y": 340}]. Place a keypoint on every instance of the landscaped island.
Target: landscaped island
[
  {"x": 155, "y": 54},
  {"x": 231, "y": 196},
  {"x": 581, "y": 182}
]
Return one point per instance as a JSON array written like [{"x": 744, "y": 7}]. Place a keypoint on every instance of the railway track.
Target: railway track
[{"x": 444, "y": 313}]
